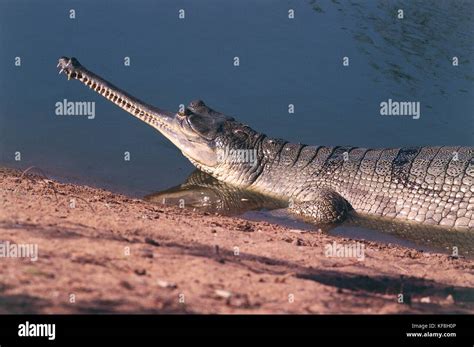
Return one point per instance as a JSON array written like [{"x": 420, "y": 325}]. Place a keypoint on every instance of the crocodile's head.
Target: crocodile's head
[
  {"x": 198, "y": 132},
  {"x": 212, "y": 141},
  {"x": 215, "y": 143}
]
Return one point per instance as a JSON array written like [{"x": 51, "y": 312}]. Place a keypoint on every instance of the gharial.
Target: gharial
[{"x": 432, "y": 185}]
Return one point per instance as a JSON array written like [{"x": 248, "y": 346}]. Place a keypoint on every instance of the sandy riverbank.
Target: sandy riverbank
[{"x": 103, "y": 252}]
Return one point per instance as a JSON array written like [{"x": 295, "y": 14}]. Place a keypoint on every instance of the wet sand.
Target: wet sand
[{"x": 100, "y": 252}]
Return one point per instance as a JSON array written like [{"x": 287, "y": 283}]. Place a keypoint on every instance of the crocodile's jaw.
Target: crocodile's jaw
[{"x": 173, "y": 126}]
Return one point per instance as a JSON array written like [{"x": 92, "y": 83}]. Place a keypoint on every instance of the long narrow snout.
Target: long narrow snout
[
  {"x": 169, "y": 124},
  {"x": 161, "y": 120}
]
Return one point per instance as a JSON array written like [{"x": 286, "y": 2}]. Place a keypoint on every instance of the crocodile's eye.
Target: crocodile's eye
[
  {"x": 201, "y": 125},
  {"x": 204, "y": 125},
  {"x": 241, "y": 132}
]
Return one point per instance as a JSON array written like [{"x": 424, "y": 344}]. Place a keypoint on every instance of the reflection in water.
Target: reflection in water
[
  {"x": 204, "y": 193},
  {"x": 432, "y": 237}
]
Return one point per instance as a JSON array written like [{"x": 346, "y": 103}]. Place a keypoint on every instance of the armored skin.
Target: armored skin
[{"x": 428, "y": 185}]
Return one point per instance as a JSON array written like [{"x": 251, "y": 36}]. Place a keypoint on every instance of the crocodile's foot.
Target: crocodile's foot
[
  {"x": 70, "y": 67},
  {"x": 328, "y": 208}
]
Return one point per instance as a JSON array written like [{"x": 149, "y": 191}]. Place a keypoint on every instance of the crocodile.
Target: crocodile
[{"x": 430, "y": 185}]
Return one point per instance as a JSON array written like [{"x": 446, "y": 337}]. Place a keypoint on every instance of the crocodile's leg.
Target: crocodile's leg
[{"x": 326, "y": 208}]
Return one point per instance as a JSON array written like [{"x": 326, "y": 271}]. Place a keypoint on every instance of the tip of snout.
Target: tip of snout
[
  {"x": 67, "y": 62},
  {"x": 68, "y": 65},
  {"x": 63, "y": 60}
]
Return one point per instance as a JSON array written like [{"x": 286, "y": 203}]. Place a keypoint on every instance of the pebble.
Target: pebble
[
  {"x": 165, "y": 284},
  {"x": 223, "y": 293},
  {"x": 450, "y": 299}
]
